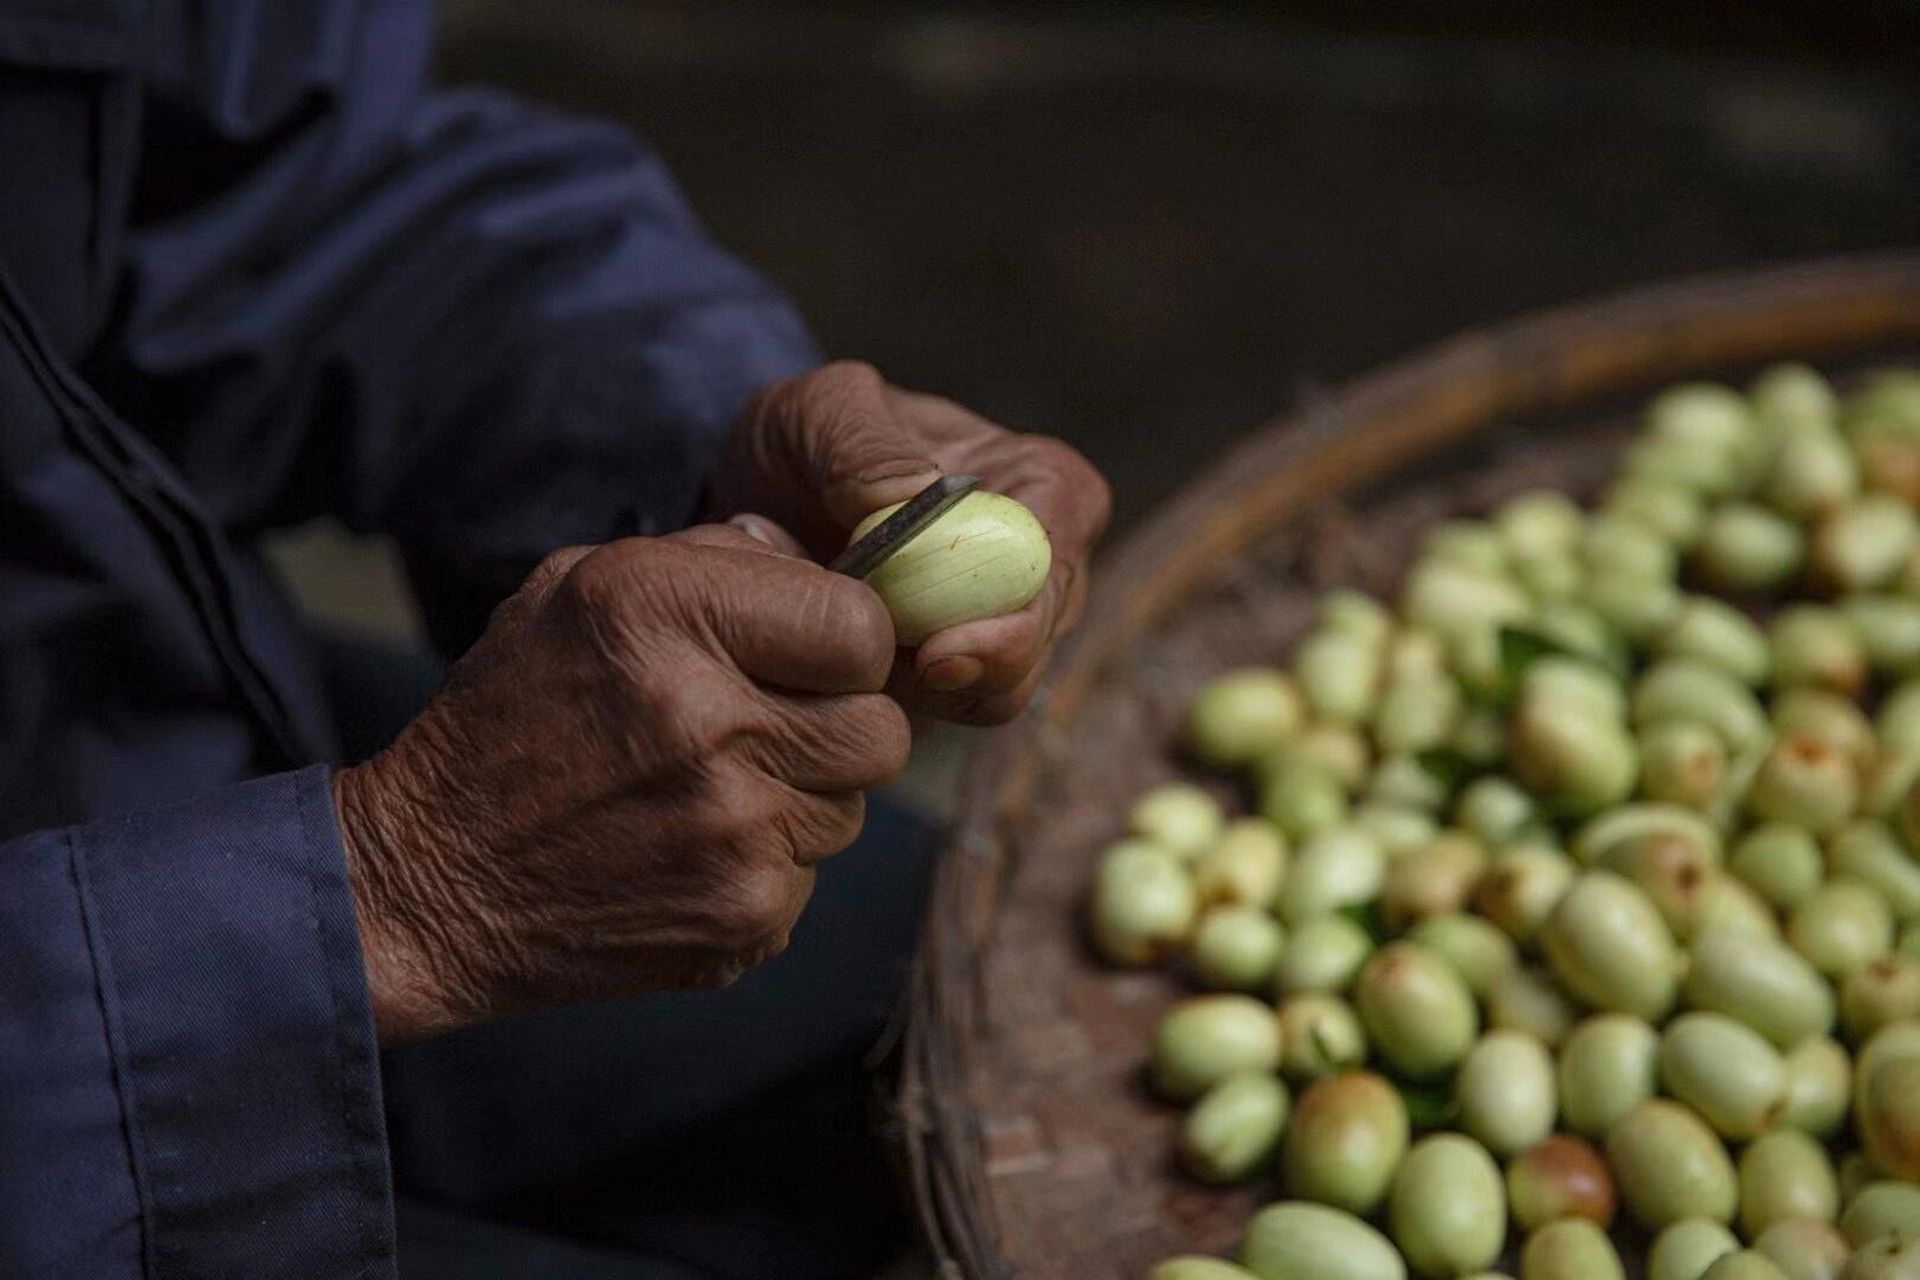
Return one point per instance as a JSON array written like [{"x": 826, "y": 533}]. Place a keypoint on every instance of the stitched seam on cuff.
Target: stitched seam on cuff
[
  {"x": 380, "y": 1243},
  {"x": 123, "y": 1081}
]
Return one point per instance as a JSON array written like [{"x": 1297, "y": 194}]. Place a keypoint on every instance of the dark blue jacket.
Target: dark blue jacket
[{"x": 254, "y": 267}]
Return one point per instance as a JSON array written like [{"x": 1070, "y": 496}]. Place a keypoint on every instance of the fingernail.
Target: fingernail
[
  {"x": 753, "y": 526},
  {"x": 950, "y": 675}
]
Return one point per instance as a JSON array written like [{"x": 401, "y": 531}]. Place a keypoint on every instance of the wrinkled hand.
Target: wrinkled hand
[
  {"x": 625, "y": 784},
  {"x": 820, "y": 452}
]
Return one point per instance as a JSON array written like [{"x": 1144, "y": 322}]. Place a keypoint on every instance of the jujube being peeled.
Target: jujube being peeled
[{"x": 985, "y": 556}]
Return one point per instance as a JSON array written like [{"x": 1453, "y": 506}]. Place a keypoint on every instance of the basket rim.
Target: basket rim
[{"x": 1539, "y": 361}]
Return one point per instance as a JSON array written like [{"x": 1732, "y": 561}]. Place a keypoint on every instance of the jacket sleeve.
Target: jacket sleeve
[
  {"x": 481, "y": 326},
  {"x": 188, "y": 1081}
]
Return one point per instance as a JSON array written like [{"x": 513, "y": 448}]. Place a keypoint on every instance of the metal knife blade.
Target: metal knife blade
[{"x": 898, "y": 529}]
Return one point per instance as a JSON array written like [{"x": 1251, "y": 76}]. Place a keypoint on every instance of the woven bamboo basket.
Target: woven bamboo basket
[{"x": 1033, "y": 1147}]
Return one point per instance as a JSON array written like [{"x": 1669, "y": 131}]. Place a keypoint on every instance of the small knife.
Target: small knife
[{"x": 898, "y": 529}]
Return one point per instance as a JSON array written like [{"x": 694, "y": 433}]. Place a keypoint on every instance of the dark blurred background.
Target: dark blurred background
[{"x": 1149, "y": 227}]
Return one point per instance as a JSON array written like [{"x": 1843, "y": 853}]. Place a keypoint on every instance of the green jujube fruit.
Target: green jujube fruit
[
  {"x": 1505, "y": 1091},
  {"x": 1670, "y": 511},
  {"x": 1813, "y": 472},
  {"x": 1897, "y": 723},
  {"x": 1320, "y": 1035},
  {"x": 1742, "y": 1264},
  {"x": 1724, "y": 904},
  {"x": 1869, "y": 852},
  {"x": 1862, "y": 544},
  {"x": 1236, "y": 949},
  {"x": 1887, "y": 1112},
  {"x": 1539, "y": 522},
  {"x": 1405, "y": 781},
  {"x": 1570, "y": 1249},
  {"x": 1761, "y": 983},
  {"x": 1476, "y": 948},
  {"x": 1451, "y": 598},
  {"x": 1608, "y": 1066},
  {"x": 1791, "y": 398},
  {"x": 1881, "y": 1209},
  {"x": 1635, "y": 607},
  {"x": 1338, "y": 675},
  {"x": 1195, "y": 1267},
  {"x": 1576, "y": 762},
  {"x": 1521, "y": 889},
  {"x": 1687, "y": 689},
  {"x": 1417, "y": 714},
  {"x": 1888, "y": 781},
  {"x": 1685, "y": 1249},
  {"x": 1143, "y": 903},
  {"x": 1178, "y": 816},
  {"x": 1746, "y": 547},
  {"x": 1418, "y": 1012},
  {"x": 1889, "y": 630},
  {"x": 1599, "y": 838},
  {"x": 1560, "y": 1177},
  {"x": 1400, "y": 829},
  {"x": 1888, "y": 990},
  {"x": 1781, "y": 862},
  {"x": 1827, "y": 717},
  {"x": 1340, "y": 749},
  {"x": 1526, "y": 1000},
  {"x": 1348, "y": 1135},
  {"x": 1682, "y": 763},
  {"x": 1607, "y": 943},
  {"x": 1296, "y": 1241},
  {"x": 1892, "y": 1042},
  {"x": 1432, "y": 881},
  {"x": 1725, "y": 1071},
  {"x": 1447, "y": 1209},
  {"x": 1233, "y": 1131},
  {"x": 1891, "y": 1257},
  {"x": 1673, "y": 873},
  {"x": 1302, "y": 799},
  {"x": 1819, "y": 1084},
  {"x": 1244, "y": 714},
  {"x": 1806, "y": 783},
  {"x": 1495, "y": 809},
  {"x": 1205, "y": 1039},
  {"x": 1322, "y": 955},
  {"x": 1813, "y": 645},
  {"x": 1805, "y": 1249},
  {"x": 1670, "y": 1166},
  {"x": 1785, "y": 1174},
  {"x": 1245, "y": 867},
  {"x": 1841, "y": 927},
  {"x": 1714, "y": 632},
  {"x": 1339, "y": 867},
  {"x": 1355, "y": 613}
]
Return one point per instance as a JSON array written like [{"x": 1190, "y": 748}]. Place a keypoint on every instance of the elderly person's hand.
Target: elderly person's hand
[
  {"x": 820, "y": 452},
  {"x": 625, "y": 784}
]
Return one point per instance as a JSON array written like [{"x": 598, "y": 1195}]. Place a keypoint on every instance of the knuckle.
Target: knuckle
[
  {"x": 761, "y": 904},
  {"x": 845, "y": 379},
  {"x": 554, "y": 568},
  {"x": 848, "y": 628},
  {"x": 876, "y": 738}
]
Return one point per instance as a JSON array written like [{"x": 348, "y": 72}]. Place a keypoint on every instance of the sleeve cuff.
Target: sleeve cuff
[{"x": 230, "y": 975}]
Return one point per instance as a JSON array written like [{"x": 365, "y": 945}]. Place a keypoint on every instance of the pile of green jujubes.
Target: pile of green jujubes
[{"x": 1588, "y": 875}]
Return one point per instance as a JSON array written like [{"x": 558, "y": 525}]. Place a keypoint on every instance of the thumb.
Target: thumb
[{"x": 860, "y": 456}]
